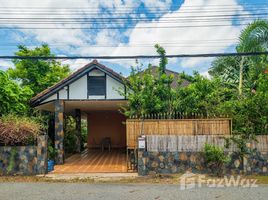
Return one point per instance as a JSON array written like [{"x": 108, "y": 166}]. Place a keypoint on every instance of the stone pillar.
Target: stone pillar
[
  {"x": 59, "y": 133},
  {"x": 142, "y": 162},
  {"x": 42, "y": 154},
  {"x": 78, "y": 132}
]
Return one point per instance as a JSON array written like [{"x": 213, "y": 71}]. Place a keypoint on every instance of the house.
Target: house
[{"x": 91, "y": 93}]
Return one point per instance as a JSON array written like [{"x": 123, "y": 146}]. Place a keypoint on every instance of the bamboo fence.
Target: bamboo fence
[
  {"x": 175, "y": 143},
  {"x": 190, "y": 127}
]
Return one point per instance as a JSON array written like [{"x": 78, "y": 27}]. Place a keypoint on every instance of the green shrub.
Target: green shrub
[
  {"x": 18, "y": 130},
  {"x": 51, "y": 151},
  {"x": 69, "y": 135},
  {"x": 215, "y": 158}
]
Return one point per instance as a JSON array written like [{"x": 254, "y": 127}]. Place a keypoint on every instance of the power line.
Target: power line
[
  {"x": 135, "y": 57},
  {"x": 122, "y": 12},
  {"x": 123, "y": 6},
  {"x": 118, "y": 21},
  {"x": 203, "y": 42},
  {"x": 171, "y": 41},
  {"x": 123, "y": 27},
  {"x": 131, "y": 46},
  {"x": 165, "y": 17}
]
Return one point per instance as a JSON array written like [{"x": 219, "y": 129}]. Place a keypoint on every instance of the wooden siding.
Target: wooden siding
[{"x": 220, "y": 126}]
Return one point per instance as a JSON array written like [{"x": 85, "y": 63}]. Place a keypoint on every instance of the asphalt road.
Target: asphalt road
[{"x": 77, "y": 191}]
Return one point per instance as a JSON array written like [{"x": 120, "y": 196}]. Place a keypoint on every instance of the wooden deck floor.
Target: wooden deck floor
[{"x": 94, "y": 161}]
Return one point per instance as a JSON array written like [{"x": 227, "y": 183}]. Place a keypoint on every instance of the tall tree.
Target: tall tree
[
  {"x": 243, "y": 71},
  {"x": 37, "y": 74},
  {"x": 148, "y": 93},
  {"x": 13, "y": 98},
  {"x": 252, "y": 39}
]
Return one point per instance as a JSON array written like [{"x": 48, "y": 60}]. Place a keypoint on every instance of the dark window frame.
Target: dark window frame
[{"x": 96, "y": 85}]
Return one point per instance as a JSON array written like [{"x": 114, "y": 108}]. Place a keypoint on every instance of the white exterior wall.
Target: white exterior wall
[
  {"x": 63, "y": 93},
  {"x": 78, "y": 89},
  {"x": 53, "y": 97},
  {"x": 112, "y": 86},
  {"x": 96, "y": 97},
  {"x": 96, "y": 72}
]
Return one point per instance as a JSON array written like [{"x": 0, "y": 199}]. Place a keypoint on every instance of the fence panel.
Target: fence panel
[
  {"x": 195, "y": 143},
  {"x": 188, "y": 127}
]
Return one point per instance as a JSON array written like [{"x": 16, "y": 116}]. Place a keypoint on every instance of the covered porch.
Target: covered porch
[
  {"x": 94, "y": 161},
  {"x": 103, "y": 121}
]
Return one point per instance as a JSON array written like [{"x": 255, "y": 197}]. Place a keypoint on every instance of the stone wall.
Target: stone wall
[
  {"x": 180, "y": 162},
  {"x": 24, "y": 160},
  {"x": 256, "y": 163}
]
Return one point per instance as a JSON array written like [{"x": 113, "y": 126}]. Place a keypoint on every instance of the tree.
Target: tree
[
  {"x": 243, "y": 71},
  {"x": 141, "y": 93},
  {"x": 203, "y": 96},
  {"x": 148, "y": 93},
  {"x": 252, "y": 39},
  {"x": 37, "y": 74},
  {"x": 13, "y": 98}
]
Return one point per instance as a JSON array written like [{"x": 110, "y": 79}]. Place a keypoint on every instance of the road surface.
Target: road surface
[{"x": 77, "y": 191}]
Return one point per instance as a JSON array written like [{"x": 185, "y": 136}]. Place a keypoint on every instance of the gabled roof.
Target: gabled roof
[{"x": 74, "y": 76}]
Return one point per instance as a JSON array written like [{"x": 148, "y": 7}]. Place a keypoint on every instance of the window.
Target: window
[{"x": 96, "y": 85}]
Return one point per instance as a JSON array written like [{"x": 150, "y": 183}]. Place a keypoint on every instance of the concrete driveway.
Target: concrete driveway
[{"x": 77, "y": 191}]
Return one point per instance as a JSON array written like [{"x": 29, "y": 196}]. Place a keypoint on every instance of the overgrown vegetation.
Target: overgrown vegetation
[
  {"x": 221, "y": 95},
  {"x": 215, "y": 158},
  {"x": 18, "y": 85},
  {"x": 18, "y": 130}
]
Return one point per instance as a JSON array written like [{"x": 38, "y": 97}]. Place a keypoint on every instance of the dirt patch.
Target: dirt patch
[{"x": 156, "y": 179}]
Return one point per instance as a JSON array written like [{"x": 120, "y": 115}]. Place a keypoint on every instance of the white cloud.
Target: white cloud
[
  {"x": 154, "y": 5},
  {"x": 75, "y": 64},
  {"x": 205, "y": 74},
  {"x": 4, "y": 65},
  {"x": 190, "y": 36},
  {"x": 185, "y": 34},
  {"x": 78, "y": 41}
]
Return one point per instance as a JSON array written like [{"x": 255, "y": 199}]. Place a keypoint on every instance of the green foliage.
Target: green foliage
[
  {"x": 51, "y": 151},
  {"x": 37, "y": 74},
  {"x": 202, "y": 96},
  {"x": 11, "y": 164},
  {"x": 254, "y": 37},
  {"x": 84, "y": 131},
  {"x": 242, "y": 72},
  {"x": 69, "y": 135},
  {"x": 215, "y": 158},
  {"x": 163, "y": 61},
  {"x": 32, "y": 77},
  {"x": 240, "y": 142},
  {"x": 147, "y": 93},
  {"x": 250, "y": 113},
  {"x": 70, "y": 138},
  {"x": 13, "y": 98}
]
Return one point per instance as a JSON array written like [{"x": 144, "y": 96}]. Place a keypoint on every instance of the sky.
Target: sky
[{"x": 132, "y": 27}]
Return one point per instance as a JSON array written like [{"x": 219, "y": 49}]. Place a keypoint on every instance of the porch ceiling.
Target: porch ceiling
[{"x": 85, "y": 105}]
